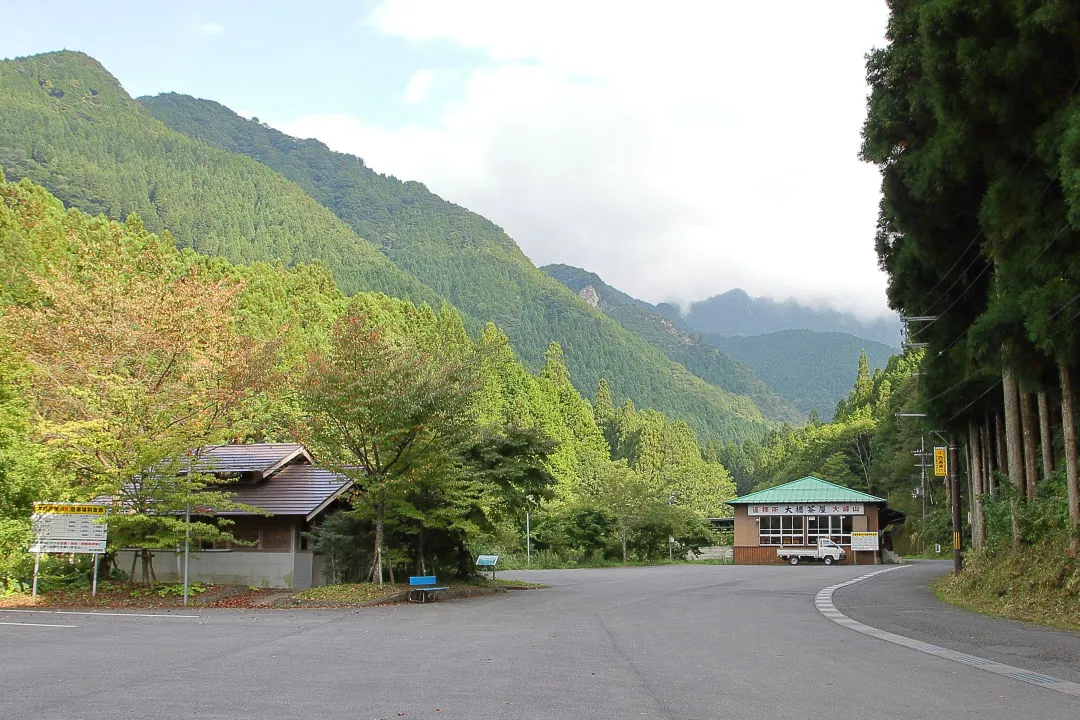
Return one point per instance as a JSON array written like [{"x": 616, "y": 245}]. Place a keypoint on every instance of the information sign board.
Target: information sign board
[
  {"x": 941, "y": 462},
  {"x": 68, "y": 546},
  {"x": 68, "y": 528},
  {"x": 865, "y": 541},
  {"x": 487, "y": 560}
]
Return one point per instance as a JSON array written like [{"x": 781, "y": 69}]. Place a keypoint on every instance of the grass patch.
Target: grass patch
[
  {"x": 351, "y": 593},
  {"x": 1038, "y": 584}
]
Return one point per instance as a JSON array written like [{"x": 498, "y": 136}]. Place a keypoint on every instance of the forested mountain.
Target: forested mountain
[
  {"x": 736, "y": 313},
  {"x": 699, "y": 357},
  {"x": 811, "y": 370},
  {"x": 66, "y": 123},
  {"x": 474, "y": 264}
]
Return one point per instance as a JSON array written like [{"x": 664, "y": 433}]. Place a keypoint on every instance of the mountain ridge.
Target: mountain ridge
[{"x": 66, "y": 123}]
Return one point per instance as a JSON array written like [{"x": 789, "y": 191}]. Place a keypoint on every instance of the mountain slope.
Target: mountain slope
[
  {"x": 701, "y": 358},
  {"x": 812, "y": 370},
  {"x": 66, "y": 124},
  {"x": 736, "y": 313},
  {"x": 474, "y": 264}
]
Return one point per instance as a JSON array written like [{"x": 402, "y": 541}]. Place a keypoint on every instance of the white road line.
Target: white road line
[
  {"x": 38, "y": 625},
  {"x": 823, "y": 602},
  {"x": 107, "y": 614}
]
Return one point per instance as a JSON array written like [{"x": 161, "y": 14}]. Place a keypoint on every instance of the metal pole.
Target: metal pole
[
  {"x": 528, "y": 541},
  {"x": 922, "y": 491},
  {"x": 37, "y": 563},
  {"x": 93, "y": 588},
  {"x": 187, "y": 548},
  {"x": 954, "y": 490}
]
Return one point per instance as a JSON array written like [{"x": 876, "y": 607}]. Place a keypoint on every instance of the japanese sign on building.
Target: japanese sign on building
[
  {"x": 68, "y": 528},
  {"x": 806, "y": 509}
]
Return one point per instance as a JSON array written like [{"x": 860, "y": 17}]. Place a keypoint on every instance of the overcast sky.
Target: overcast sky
[{"x": 677, "y": 149}]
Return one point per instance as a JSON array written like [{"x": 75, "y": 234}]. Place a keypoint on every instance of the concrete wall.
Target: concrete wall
[{"x": 260, "y": 568}]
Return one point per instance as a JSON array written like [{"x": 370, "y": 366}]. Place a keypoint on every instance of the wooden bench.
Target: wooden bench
[{"x": 424, "y": 587}]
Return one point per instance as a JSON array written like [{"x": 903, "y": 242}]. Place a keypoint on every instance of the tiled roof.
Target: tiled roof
[
  {"x": 294, "y": 490},
  {"x": 259, "y": 458},
  {"x": 807, "y": 489}
]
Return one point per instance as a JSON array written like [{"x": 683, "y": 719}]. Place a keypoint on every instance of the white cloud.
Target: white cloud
[
  {"x": 210, "y": 29},
  {"x": 419, "y": 87},
  {"x": 677, "y": 150}
]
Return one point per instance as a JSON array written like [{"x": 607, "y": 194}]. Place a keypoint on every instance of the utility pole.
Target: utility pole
[
  {"x": 954, "y": 491},
  {"x": 922, "y": 491}
]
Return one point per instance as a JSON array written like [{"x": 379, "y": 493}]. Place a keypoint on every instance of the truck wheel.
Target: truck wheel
[
  {"x": 794, "y": 559},
  {"x": 828, "y": 560}
]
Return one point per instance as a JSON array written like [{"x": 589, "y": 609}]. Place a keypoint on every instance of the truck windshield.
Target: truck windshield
[{"x": 828, "y": 543}]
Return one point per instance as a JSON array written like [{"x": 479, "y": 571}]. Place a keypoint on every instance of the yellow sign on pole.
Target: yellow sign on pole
[
  {"x": 45, "y": 508},
  {"x": 941, "y": 464}
]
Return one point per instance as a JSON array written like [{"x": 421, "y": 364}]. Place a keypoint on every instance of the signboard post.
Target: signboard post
[{"x": 68, "y": 528}]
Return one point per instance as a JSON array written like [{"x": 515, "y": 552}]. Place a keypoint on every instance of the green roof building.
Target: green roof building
[{"x": 801, "y": 512}]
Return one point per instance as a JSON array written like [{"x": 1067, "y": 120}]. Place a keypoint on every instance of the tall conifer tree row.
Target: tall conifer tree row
[{"x": 972, "y": 121}]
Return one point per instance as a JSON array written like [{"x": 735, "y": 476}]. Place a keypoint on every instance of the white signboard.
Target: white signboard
[
  {"x": 68, "y": 528},
  {"x": 806, "y": 509},
  {"x": 68, "y": 546},
  {"x": 864, "y": 541}
]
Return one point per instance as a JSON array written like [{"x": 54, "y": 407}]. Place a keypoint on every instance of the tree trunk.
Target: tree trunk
[
  {"x": 987, "y": 457},
  {"x": 1046, "y": 435},
  {"x": 999, "y": 445},
  {"x": 978, "y": 488},
  {"x": 376, "y": 574},
  {"x": 1013, "y": 447},
  {"x": 1069, "y": 429},
  {"x": 147, "y": 566},
  {"x": 623, "y": 539},
  {"x": 1028, "y": 424},
  {"x": 421, "y": 567}
]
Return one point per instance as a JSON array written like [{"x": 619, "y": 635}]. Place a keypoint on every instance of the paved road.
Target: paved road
[
  {"x": 903, "y": 603},
  {"x": 695, "y": 642}
]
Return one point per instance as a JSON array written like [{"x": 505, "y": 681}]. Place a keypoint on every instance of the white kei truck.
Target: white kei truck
[{"x": 826, "y": 551}]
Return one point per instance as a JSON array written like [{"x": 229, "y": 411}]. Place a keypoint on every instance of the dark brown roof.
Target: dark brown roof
[
  {"x": 294, "y": 490},
  {"x": 262, "y": 458}
]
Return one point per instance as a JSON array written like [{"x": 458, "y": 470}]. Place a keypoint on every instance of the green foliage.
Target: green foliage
[
  {"x": 66, "y": 124},
  {"x": 811, "y": 370}
]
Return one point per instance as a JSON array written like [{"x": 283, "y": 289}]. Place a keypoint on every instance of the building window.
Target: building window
[
  {"x": 780, "y": 530},
  {"x": 834, "y": 527}
]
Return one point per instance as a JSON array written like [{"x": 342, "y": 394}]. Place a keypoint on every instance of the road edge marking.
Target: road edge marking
[
  {"x": 823, "y": 602},
  {"x": 37, "y": 625},
  {"x": 102, "y": 614}
]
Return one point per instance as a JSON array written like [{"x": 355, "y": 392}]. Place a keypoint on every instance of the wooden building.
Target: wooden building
[
  {"x": 281, "y": 481},
  {"x": 797, "y": 513}
]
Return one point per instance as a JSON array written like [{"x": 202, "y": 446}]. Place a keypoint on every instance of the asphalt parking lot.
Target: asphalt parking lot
[{"x": 679, "y": 641}]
